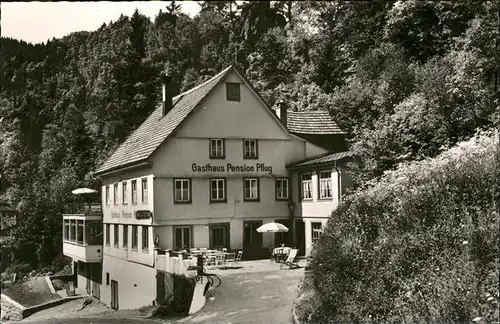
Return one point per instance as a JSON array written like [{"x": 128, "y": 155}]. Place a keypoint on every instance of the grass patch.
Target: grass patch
[{"x": 30, "y": 292}]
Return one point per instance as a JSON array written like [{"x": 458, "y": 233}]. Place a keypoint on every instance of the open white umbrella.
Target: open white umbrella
[
  {"x": 81, "y": 191},
  {"x": 272, "y": 228}
]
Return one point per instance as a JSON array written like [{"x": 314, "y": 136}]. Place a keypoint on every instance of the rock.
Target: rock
[
  {"x": 50, "y": 273},
  {"x": 32, "y": 273}
]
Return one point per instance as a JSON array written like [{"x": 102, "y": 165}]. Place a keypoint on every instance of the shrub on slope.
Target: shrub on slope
[{"x": 419, "y": 245}]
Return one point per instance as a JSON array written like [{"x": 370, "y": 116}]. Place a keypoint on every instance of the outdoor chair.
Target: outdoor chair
[
  {"x": 224, "y": 250},
  {"x": 290, "y": 261},
  {"x": 230, "y": 259},
  {"x": 210, "y": 260},
  {"x": 203, "y": 250},
  {"x": 238, "y": 258},
  {"x": 219, "y": 259}
]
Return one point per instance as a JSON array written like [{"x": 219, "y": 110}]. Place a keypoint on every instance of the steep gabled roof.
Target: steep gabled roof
[
  {"x": 139, "y": 146},
  {"x": 320, "y": 159},
  {"x": 314, "y": 122},
  {"x": 156, "y": 128}
]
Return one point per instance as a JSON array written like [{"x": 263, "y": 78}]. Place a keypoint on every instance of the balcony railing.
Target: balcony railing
[{"x": 88, "y": 209}]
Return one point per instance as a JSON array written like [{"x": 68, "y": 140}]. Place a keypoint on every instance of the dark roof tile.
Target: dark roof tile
[
  {"x": 312, "y": 122},
  {"x": 155, "y": 129},
  {"x": 324, "y": 158}
]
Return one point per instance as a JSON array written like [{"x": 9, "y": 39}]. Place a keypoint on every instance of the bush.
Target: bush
[{"x": 418, "y": 245}]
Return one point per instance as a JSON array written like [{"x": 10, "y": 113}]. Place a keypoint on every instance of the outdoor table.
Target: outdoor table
[{"x": 281, "y": 250}]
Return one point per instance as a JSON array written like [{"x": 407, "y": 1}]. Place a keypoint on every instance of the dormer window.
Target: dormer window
[{"x": 233, "y": 91}]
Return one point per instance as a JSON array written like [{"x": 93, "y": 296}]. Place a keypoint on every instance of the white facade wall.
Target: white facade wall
[
  {"x": 189, "y": 144},
  {"x": 136, "y": 283}
]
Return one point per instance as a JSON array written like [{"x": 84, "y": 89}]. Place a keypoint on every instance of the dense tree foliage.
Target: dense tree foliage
[
  {"x": 404, "y": 79},
  {"x": 420, "y": 245}
]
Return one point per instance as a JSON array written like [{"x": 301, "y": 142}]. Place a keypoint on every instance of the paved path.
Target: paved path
[
  {"x": 258, "y": 297},
  {"x": 257, "y": 293}
]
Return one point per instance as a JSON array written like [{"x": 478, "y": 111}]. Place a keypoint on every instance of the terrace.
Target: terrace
[{"x": 82, "y": 232}]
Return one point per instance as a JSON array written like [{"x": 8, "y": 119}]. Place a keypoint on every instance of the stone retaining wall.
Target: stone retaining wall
[{"x": 11, "y": 310}]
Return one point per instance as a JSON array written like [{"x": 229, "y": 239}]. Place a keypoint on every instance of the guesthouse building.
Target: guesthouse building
[{"x": 205, "y": 170}]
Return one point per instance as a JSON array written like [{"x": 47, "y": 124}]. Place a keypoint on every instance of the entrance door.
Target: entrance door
[
  {"x": 96, "y": 274},
  {"x": 284, "y": 237},
  {"x": 75, "y": 273},
  {"x": 87, "y": 277},
  {"x": 300, "y": 237},
  {"x": 252, "y": 240},
  {"x": 114, "y": 294},
  {"x": 219, "y": 236}
]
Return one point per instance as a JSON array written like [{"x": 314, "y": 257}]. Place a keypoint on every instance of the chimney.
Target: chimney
[
  {"x": 281, "y": 112},
  {"x": 167, "y": 93}
]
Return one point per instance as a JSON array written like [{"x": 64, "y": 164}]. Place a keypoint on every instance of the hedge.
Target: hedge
[{"x": 418, "y": 245}]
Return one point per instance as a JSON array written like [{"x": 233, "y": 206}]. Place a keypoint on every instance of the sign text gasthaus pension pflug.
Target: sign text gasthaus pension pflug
[{"x": 258, "y": 167}]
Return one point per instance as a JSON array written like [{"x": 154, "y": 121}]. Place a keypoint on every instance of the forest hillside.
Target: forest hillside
[{"x": 405, "y": 80}]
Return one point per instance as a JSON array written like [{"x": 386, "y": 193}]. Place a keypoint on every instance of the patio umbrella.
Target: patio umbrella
[
  {"x": 272, "y": 228},
  {"x": 81, "y": 191}
]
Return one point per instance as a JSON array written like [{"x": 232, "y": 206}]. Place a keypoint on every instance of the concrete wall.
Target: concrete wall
[
  {"x": 201, "y": 233},
  {"x": 202, "y": 209},
  {"x": 91, "y": 253},
  {"x": 136, "y": 283},
  {"x": 135, "y": 255}
]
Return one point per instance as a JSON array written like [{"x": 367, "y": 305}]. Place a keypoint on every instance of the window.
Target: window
[
  {"x": 217, "y": 146},
  {"x": 219, "y": 236},
  {"x": 182, "y": 237},
  {"x": 307, "y": 186},
  {"x": 317, "y": 230},
  {"x": 134, "y": 191},
  {"x": 250, "y": 149},
  {"x": 218, "y": 190},
  {"x": 182, "y": 190},
  {"x": 145, "y": 238},
  {"x": 233, "y": 91},
  {"x": 72, "y": 233},
  {"x": 251, "y": 189},
  {"x": 125, "y": 236},
  {"x": 134, "y": 237},
  {"x": 66, "y": 230},
  {"x": 116, "y": 237},
  {"x": 107, "y": 195},
  {"x": 93, "y": 232},
  {"x": 325, "y": 185},
  {"x": 124, "y": 193},
  {"x": 79, "y": 232},
  {"x": 282, "y": 189},
  {"x": 144, "y": 190},
  {"x": 107, "y": 235},
  {"x": 115, "y": 193},
  {"x": 107, "y": 278}
]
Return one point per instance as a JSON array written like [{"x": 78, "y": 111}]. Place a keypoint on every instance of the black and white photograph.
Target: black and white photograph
[{"x": 250, "y": 162}]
